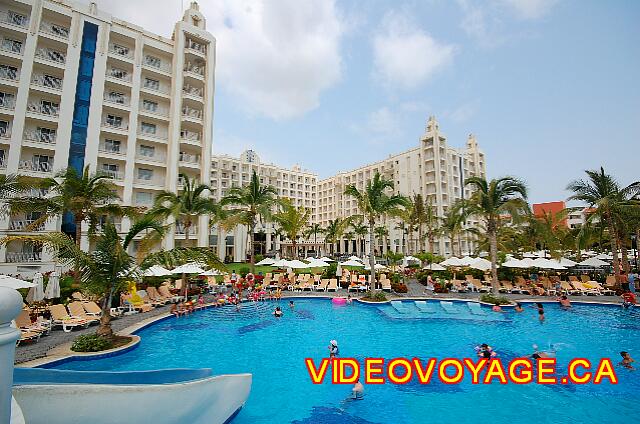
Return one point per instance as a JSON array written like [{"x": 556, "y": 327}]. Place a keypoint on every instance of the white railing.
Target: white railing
[
  {"x": 6, "y": 133},
  {"x": 159, "y": 110},
  {"x": 39, "y": 136},
  {"x": 22, "y": 224},
  {"x": 51, "y": 55},
  {"x": 29, "y": 165},
  {"x": 189, "y": 112},
  {"x": 151, "y": 157},
  {"x": 14, "y": 18},
  {"x": 7, "y": 103},
  {"x": 121, "y": 51},
  {"x": 112, "y": 125},
  {"x": 193, "y": 45},
  {"x": 10, "y": 74},
  {"x": 186, "y": 157},
  {"x": 157, "y": 134},
  {"x": 54, "y": 29},
  {"x": 11, "y": 46},
  {"x": 160, "y": 65},
  {"x": 119, "y": 74},
  {"x": 43, "y": 109},
  {"x": 3, "y": 163},
  {"x": 111, "y": 149},
  {"x": 156, "y": 88},
  {"x": 192, "y": 136},
  {"x": 118, "y": 100},
  {"x": 193, "y": 91},
  {"x": 195, "y": 68},
  {"x": 149, "y": 181},
  {"x": 114, "y": 175},
  {"x": 47, "y": 81},
  {"x": 13, "y": 257}
]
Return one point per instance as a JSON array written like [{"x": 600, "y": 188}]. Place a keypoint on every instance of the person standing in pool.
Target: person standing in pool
[
  {"x": 565, "y": 303},
  {"x": 518, "y": 307},
  {"x": 291, "y": 306},
  {"x": 540, "y": 308},
  {"x": 358, "y": 390},
  {"x": 333, "y": 349},
  {"x": 278, "y": 312}
]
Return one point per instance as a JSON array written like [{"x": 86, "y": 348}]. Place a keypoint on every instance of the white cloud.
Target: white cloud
[
  {"x": 463, "y": 113},
  {"x": 380, "y": 126},
  {"x": 530, "y": 9},
  {"x": 406, "y": 56},
  {"x": 275, "y": 57}
]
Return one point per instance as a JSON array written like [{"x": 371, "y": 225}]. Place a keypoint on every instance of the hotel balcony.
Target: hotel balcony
[
  {"x": 111, "y": 149},
  {"x": 114, "y": 175},
  {"x": 10, "y": 73},
  {"x": 191, "y": 113},
  {"x": 23, "y": 224},
  {"x": 42, "y": 108},
  {"x": 121, "y": 51},
  {"x": 154, "y": 135},
  {"x": 152, "y": 182},
  {"x": 3, "y": 163},
  {"x": 44, "y": 167},
  {"x": 117, "y": 99},
  {"x": 47, "y": 81},
  {"x": 118, "y": 127},
  {"x": 190, "y": 137},
  {"x": 23, "y": 257},
  {"x": 100, "y": 226},
  {"x": 7, "y": 102},
  {"x": 51, "y": 56},
  {"x": 194, "y": 69},
  {"x": 156, "y": 88},
  {"x": 40, "y": 135},
  {"x": 156, "y": 110},
  {"x": 156, "y": 64},
  {"x": 193, "y": 92},
  {"x": 195, "y": 47},
  {"x": 119, "y": 75},
  {"x": 181, "y": 230},
  {"x": 55, "y": 30},
  {"x": 189, "y": 160},
  {"x": 14, "y": 19},
  {"x": 11, "y": 46}
]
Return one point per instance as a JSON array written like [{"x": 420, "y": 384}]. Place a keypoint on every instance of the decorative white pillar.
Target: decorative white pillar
[{"x": 10, "y": 305}]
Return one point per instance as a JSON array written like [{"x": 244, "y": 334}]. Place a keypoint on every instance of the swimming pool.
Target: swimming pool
[{"x": 252, "y": 340}]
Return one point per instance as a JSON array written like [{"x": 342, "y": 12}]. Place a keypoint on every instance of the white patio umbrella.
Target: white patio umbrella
[
  {"x": 529, "y": 255},
  {"x": 354, "y": 258},
  {"x": 36, "y": 293},
  {"x": 352, "y": 263},
  {"x": 481, "y": 264},
  {"x": 324, "y": 258},
  {"x": 156, "y": 271},
  {"x": 593, "y": 262},
  {"x": 565, "y": 262},
  {"x": 527, "y": 263},
  {"x": 435, "y": 267},
  {"x": 467, "y": 261},
  {"x": 296, "y": 264},
  {"x": 282, "y": 263},
  {"x": 514, "y": 263},
  {"x": 452, "y": 261},
  {"x": 604, "y": 257},
  {"x": 543, "y": 263},
  {"x": 266, "y": 261},
  {"x": 190, "y": 268},
  {"x": 378, "y": 267},
  {"x": 53, "y": 286},
  {"x": 317, "y": 263},
  {"x": 211, "y": 273},
  {"x": 14, "y": 283}
]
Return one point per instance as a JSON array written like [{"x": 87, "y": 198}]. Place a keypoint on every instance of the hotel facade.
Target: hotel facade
[
  {"x": 433, "y": 169},
  {"x": 79, "y": 87}
]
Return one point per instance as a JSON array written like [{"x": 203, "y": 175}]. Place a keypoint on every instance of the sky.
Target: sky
[{"x": 549, "y": 87}]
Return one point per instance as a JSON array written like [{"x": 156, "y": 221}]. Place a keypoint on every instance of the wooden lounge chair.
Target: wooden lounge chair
[
  {"x": 458, "y": 287},
  {"x": 60, "y": 317},
  {"x": 479, "y": 287},
  {"x": 324, "y": 283},
  {"x": 28, "y": 336},
  {"x": 23, "y": 321},
  {"x": 597, "y": 286},
  {"x": 333, "y": 285},
  {"x": 584, "y": 290},
  {"x": 153, "y": 294},
  {"x": 568, "y": 288},
  {"x": 385, "y": 284},
  {"x": 76, "y": 310},
  {"x": 164, "y": 291},
  {"x": 505, "y": 287}
]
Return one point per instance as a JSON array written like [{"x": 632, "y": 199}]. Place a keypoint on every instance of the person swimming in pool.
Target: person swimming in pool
[
  {"x": 565, "y": 303},
  {"x": 537, "y": 354},
  {"x": 333, "y": 349},
  {"x": 291, "y": 304},
  {"x": 278, "y": 312},
  {"x": 518, "y": 307},
  {"x": 540, "y": 307},
  {"x": 627, "y": 360},
  {"x": 358, "y": 390}
]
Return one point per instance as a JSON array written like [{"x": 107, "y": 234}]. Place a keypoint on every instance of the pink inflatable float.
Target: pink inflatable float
[{"x": 339, "y": 301}]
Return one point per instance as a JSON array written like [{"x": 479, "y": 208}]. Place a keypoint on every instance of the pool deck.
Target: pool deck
[{"x": 58, "y": 343}]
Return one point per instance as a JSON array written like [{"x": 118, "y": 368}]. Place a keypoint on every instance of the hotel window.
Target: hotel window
[
  {"x": 114, "y": 121},
  {"x": 46, "y": 135},
  {"x": 112, "y": 146},
  {"x": 116, "y": 97},
  {"x": 17, "y": 18},
  {"x": 144, "y": 198},
  {"x": 4, "y": 128},
  {"x": 148, "y": 128},
  {"x": 48, "y": 107},
  {"x": 119, "y": 73},
  {"x": 150, "y": 105},
  {"x": 8, "y": 72},
  {"x": 147, "y": 151},
  {"x": 6, "y": 99},
  {"x": 13, "y": 46},
  {"x": 152, "y": 61},
  {"x": 110, "y": 169},
  {"x": 151, "y": 83},
  {"x": 145, "y": 174},
  {"x": 43, "y": 162},
  {"x": 121, "y": 50}
]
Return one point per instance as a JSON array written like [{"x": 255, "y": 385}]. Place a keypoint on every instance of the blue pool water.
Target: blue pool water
[{"x": 273, "y": 350}]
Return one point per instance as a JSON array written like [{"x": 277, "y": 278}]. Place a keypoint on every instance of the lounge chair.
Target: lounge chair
[
  {"x": 478, "y": 286},
  {"x": 164, "y": 291},
  {"x": 23, "y": 321},
  {"x": 28, "y": 336},
  {"x": 610, "y": 282},
  {"x": 333, "y": 285},
  {"x": 458, "y": 287},
  {"x": 154, "y": 297},
  {"x": 584, "y": 290},
  {"x": 425, "y": 307},
  {"x": 597, "y": 286},
  {"x": 60, "y": 317},
  {"x": 568, "y": 288},
  {"x": 76, "y": 310},
  {"x": 386, "y": 285},
  {"x": 323, "y": 285},
  {"x": 475, "y": 308},
  {"x": 522, "y": 285},
  {"x": 399, "y": 306},
  {"x": 448, "y": 307}
]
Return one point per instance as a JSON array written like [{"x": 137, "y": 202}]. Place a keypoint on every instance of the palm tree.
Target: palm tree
[
  {"x": 603, "y": 193},
  {"x": 431, "y": 222},
  {"x": 107, "y": 269},
  {"x": 452, "y": 226},
  {"x": 314, "y": 230},
  {"x": 382, "y": 233},
  {"x": 334, "y": 230},
  {"x": 348, "y": 237},
  {"x": 360, "y": 231},
  {"x": 186, "y": 206},
  {"x": 489, "y": 201},
  {"x": 292, "y": 221},
  {"x": 420, "y": 216},
  {"x": 256, "y": 201},
  {"x": 86, "y": 196},
  {"x": 373, "y": 203}
]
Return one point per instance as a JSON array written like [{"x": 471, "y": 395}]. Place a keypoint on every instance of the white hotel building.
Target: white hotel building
[
  {"x": 432, "y": 169},
  {"x": 80, "y": 87},
  {"x": 296, "y": 183}
]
